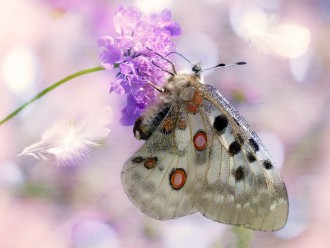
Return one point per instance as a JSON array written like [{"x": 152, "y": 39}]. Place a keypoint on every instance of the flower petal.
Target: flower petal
[
  {"x": 174, "y": 28},
  {"x": 110, "y": 57}
]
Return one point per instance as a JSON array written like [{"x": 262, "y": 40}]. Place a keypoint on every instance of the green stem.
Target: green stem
[
  {"x": 50, "y": 88},
  {"x": 243, "y": 237}
]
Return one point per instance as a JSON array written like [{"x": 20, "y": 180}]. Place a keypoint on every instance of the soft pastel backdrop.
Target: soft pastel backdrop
[{"x": 286, "y": 100}]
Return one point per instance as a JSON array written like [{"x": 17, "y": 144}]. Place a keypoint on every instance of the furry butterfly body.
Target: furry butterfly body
[{"x": 201, "y": 156}]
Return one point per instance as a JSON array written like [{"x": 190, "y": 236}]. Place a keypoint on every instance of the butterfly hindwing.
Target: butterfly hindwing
[{"x": 155, "y": 178}]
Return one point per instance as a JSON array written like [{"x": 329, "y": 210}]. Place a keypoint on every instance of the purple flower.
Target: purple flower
[
  {"x": 111, "y": 55},
  {"x": 129, "y": 51}
]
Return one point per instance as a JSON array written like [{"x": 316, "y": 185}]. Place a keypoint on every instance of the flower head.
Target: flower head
[{"x": 133, "y": 50}]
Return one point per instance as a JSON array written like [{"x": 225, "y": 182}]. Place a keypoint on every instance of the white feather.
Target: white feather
[
  {"x": 70, "y": 141},
  {"x": 263, "y": 33},
  {"x": 254, "y": 27}
]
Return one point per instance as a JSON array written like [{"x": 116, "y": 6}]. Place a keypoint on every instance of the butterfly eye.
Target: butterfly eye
[{"x": 197, "y": 68}]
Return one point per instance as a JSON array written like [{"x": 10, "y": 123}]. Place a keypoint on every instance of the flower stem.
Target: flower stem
[
  {"x": 243, "y": 237},
  {"x": 50, "y": 88}
]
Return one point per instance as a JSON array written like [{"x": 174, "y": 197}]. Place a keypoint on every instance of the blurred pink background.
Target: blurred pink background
[{"x": 284, "y": 97}]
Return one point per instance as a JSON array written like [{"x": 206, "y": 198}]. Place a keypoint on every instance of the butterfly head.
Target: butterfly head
[{"x": 197, "y": 68}]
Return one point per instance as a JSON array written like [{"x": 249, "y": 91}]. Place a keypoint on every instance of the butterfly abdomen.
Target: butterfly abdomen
[{"x": 146, "y": 124}]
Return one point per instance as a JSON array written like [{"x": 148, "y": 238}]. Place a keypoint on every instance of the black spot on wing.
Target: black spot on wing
[
  {"x": 267, "y": 165},
  {"x": 254, "y": 144},
  {"x": 239, "y": 173},
  {"x": 251, "y": 158},
  {"x": 137, "y": 160},
  {"x": 234, "y": 148},
  {"x": 240, "y": 139},
  {"x": 220, "y": 123}
]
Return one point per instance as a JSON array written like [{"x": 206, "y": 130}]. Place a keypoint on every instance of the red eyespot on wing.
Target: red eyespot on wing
[
  {"x": 150, "y": 163},
  {"x": 178, "y": 178},
  {"x": 200, "y": 140}
]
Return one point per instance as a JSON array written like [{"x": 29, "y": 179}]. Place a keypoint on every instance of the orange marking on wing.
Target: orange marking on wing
[
  {"x": 178, "y": 178},
  {"x": 167, "y": 126},
  {"x": 197, "y": 99},
  {"x": 182, "y": 124},
  {"x": 192, "y": 108},
  {"x": 150, "y": 162},
  {"x": 200, "y": 140}
]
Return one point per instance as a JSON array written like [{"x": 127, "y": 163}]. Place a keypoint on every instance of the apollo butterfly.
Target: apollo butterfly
[{"x": 201, "y": 156}]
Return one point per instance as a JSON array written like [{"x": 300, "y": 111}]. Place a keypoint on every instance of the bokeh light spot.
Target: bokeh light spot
[
  {"x": 19, "y": 68},
  {"x": 290, "y": 40},
  {"x": 152, "y": 5},
  {"x": 93, "y": 233}
]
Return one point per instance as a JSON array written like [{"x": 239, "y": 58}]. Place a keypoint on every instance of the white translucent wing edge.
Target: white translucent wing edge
[
  {"x": 149, "y": 189},
  {"x": 277, "y": 203}
]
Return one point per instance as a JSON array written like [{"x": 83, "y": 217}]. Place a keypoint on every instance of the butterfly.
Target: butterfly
[{"x": 200, "y": 155}]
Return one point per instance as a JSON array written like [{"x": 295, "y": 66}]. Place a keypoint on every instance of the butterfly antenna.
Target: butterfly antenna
[
  {"x": 179, "y": 54},
  {"x": 173, "y": 67},
  {"x": 224, "y": 66},
  {"x": 171, "y": 73},
  {"x": 155, "y": 87}
]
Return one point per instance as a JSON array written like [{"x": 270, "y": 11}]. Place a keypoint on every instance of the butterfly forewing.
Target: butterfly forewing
[
  {"x": 204, "y": 157},
  {"x": 249, "y": 190}
]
